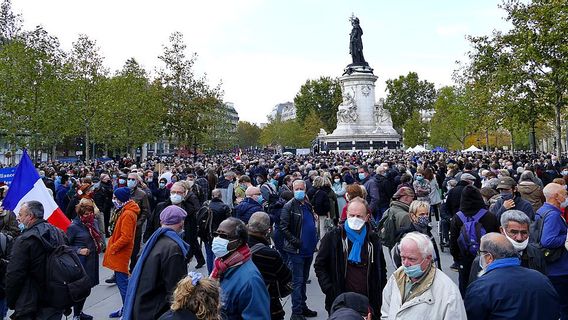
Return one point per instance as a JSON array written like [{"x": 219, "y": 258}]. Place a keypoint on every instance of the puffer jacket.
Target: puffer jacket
[
  {"x": 531, "y": 192},
  {"x": 436, "y": 297},
  {"x": 121, "y": 243},
  {"x": 291, "y": 225}
]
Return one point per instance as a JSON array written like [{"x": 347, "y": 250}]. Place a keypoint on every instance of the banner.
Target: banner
[{"x": 7, "y": 175}]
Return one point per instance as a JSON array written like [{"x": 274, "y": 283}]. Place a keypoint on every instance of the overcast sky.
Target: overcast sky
[{"x": 263, "y": 51}]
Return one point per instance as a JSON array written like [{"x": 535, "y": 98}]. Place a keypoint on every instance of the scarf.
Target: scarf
[
  {"x": 89, "y": 222},
  {"x": 240, "y": 256},
  {"x": 135, "y": 278},
  {"x": 503, "y": 263},
  {"x": 357, "y": 239}
]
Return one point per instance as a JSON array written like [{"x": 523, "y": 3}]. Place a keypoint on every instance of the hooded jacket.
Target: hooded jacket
[
  {"x": 121, "y": 243},
  {"x": 532, "y": 193}
]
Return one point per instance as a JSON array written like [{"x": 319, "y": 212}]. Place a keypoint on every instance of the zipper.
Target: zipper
[{"x": 369, "y": 263}]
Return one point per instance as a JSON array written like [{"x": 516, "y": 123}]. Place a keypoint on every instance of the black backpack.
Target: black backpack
[
  {"x": 204, "y": 222},
  {"x": 550, "y": 255},
  {"x": 387, "y": 229},
  {"x": 66, "y": 280}
]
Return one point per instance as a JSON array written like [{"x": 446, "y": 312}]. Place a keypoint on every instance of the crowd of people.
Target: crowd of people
[{"x": 265, "y": 220}]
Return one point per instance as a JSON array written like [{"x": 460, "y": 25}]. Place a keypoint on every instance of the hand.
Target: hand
[
  {"x": 84, "y": 251},
  {"x": 508, "y": 204}
]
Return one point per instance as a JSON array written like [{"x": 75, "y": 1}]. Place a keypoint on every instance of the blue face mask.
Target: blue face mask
[
  {"x": 131, "y": 184},
  {"x": 419, "y": 178},
  {"x": 361, "y": 176},
  {"x": 121, "y": 181},
  {"x": 299, "y": 195},
  {"x": 260, "y": 199},
  {"x": 21, "y": 226},
  {"x": 219, "y": 247},
  {"x": 162, "y": 185},
  {"x": 413, "y": 271}
]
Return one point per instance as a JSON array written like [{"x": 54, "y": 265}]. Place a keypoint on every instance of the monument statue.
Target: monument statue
[
  {"x": 356, "y": 43},
  {"x": 382, "y": 115},
  {"x": 347, "y": 110}
]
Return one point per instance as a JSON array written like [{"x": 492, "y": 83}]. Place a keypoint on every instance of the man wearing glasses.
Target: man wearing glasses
[
  {"x": 515, "y": 227},
  {"x": 141, "y": 198},
  {"x": 506, "y": 290}
]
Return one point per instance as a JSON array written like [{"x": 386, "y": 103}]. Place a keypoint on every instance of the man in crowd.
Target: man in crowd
[
  {"x": 161, "y": 265},
  {"x": 61, "y": 196},
  {"x": 398, "y": 211},
  {"x": 141, "y": 198},
  {"x": 220, "y": 212},
  {"x": 202, "y": 182},
  {"x": 251, "y": 204},
  {"x": 103, "y": 199},
  {"x": 298, "y": 225},
  {"x": 510, "y": 199},
  {"x": 418, "y": 290},
  {"x": 553, "y": 238},
  {"x": 515, "y": 227},
  {"x": 385, "y": 187},
  {"x": 350, "y": 259},
  {"x": 26, "y": 272},
  {"x": 243, "y": 292},
  {"x": 275, "y": 273},
  {"x": 506, "y": 290},
  {"x": 227, "y": 186}
]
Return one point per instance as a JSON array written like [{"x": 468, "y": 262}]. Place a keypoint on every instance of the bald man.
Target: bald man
[
  {"x": 554, "y": 230},
  {"x": 506, "y": 290},
  {"x": 251, "y": 204}
]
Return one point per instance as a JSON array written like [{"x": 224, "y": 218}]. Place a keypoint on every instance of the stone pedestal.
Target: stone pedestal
[{"x": 362, "y": 124}]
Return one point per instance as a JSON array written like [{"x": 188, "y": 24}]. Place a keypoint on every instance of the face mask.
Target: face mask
[
  {"x": 564, "y": 172},
  {"x": 131, "y": 184},
  {"x": 423, "y": 221},
  {"x": 117, "y": 204},
  {"x": 21, "y": 226},
  {"x": 355, "y": 223},
  {"x": 299, "y": 195},
  {"x": 336, "y": 180},
  {"x": 259, "y": 199},
  {"x": 58, "y": 179},
  {"x": 162, "y": 185},
  {"x": 413, "y": 271},
  {"x": 564, "y": 204},
  {"x": 506, "y": 196},
  {"x": 121, "y": 181},
  {"x": 419, "y": 178},
  {"x": 149, "y": 179},
  {"x": 519, "y": 246},
  {"x": 42, "y": 176},
  {"x": 361, "y": 176},
  {"x": 482, "y": 263},
  {"x": 219, "y": 247},
  {"x": 176, "y": 198},
  {"x": 114, "y": 176},
  {"x": 174, "y": 179}
]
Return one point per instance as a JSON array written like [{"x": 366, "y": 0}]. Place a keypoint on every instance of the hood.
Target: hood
[
  {"x": 132, "y": 206},
  {"x": 527, "y": 187},
  {"x": 50, "y": 236},
  {"x": 471, "y": 200},
  {"x": 400, "y": 204}
]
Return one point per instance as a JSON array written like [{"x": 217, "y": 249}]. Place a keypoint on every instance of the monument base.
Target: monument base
[{"x": 359, "y": 142}]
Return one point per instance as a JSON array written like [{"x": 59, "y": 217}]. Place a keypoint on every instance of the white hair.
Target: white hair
[
  {"x": 423, "y": 243},
  {"x": 550, "y": 190},
  {"x": 297, "y": 182}
]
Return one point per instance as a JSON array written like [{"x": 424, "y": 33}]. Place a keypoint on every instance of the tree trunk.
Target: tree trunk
[
  {"x": 487, "y": 139},
  {"x": 558, "y": 109},
  {"x": 512, "y": 142},
  {"x": 87, "y": 144},
  {"x": 53, "y": 152}
]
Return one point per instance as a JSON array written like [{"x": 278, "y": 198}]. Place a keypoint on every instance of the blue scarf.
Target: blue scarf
[
  {"x": 503, "y": 263},
  {"x": 135, "y": 277},
  {"x": 357, "y": 239}
]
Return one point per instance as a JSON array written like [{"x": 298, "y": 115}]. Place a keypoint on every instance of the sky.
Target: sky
[{"x": 262, "y": 51}]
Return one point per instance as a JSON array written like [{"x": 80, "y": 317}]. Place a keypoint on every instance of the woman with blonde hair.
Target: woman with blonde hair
[{"x": 195, "y": 297}]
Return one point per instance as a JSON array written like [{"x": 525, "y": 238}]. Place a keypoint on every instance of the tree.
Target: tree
[
  {"x": 453, "y": 120},
  {"x": 310, "y": 129},
  {"x": 10, "y": 23},
  {"x": 407, "y": 95},
  {"x": 87, "y": 76},
  {"x": 415, "y": 130},
  {"x": 322, "y": 96},
  {"x": 248, "y": 134}
]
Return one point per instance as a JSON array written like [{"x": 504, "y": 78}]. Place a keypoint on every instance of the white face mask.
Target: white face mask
[
  {"x": 519, "y": 246},
  {"x": 355, "y": 223},
  {"x": 564, "y": 204},
  {"x": 176, "y": 198}
]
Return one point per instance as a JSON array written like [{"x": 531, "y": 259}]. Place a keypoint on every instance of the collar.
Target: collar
[
  {"x": 419, "y": 287},
  {"x": 503, "y": 263}
]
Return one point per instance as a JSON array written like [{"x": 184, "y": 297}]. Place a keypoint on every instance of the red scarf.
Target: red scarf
[
  {"x": 240, "y": 256},
  {"x": 89, "y": 222}
]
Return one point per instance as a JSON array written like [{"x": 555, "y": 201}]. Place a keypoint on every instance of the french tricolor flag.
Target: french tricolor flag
[{"x": 26, "y": 186}]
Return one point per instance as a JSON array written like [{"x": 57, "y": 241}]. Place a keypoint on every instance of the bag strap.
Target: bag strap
[
  {"x": 257, "y": 247},
  {"x": 479, "y": 215},
  {"x": 541, "y": 226},
  {"x": 462, "y": 217}
]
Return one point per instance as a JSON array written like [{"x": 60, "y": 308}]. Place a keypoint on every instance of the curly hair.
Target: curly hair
[{"x": 201, "y": 299}]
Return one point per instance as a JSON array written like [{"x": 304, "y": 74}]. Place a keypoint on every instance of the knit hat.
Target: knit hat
[
  {"x": 351, "y": 300},
  {"x": 471, "y": 200},
  {"x": 122, "y": 194},
  {"x": 467, "y": 176},
  {"x": 172, "y": 215}
]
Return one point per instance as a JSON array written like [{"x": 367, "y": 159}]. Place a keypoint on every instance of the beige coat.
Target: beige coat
[{"x": 531, "y": 192}]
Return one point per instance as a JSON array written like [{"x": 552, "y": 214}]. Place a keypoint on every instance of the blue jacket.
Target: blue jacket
[
  {"x": 244, "y": 294},
  {"x": 246, "y": 208},
  {"x": 500, "y": 294},
  {"x": 554, "y": 236}
]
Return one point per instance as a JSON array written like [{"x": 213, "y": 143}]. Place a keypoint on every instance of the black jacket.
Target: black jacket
[
  {"x": 220, "y": 210},
  {"x": 488, "y": 221},
  {"x": 25, "y": 275},
  {"x": 331, "y": 263},
  {"x": 454, "y": 197},
  {"x": 387, "y": 188},
  {"x": 320, "y": 201},
  {"x": 162, "y": 269},
  {"x": 291, "y": 225},
  {"x": 190, "y": 205},
  {"x": 103, "y": 197}
]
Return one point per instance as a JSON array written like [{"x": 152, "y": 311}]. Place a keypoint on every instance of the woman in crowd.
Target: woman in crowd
[
  {"x": 421, "y": 186},
  {"x": 435, "y": 197},
  {"x": 195, "y": 297},
  {"x": 85, "y": 237},
  {"x": 340, "y": 188},
  {"x": 530, "y": 190},
  {"x": 353, "y": 191}
]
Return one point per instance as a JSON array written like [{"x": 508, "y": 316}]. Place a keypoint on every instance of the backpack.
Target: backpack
[
  {"x": 283, "y": 289},
  {"x": 535, "y": 230},
  {"x": 66, "y": 280},
  {"x": 470, "y": 233},
  {"x": 204, "y": 221},
  {"x": 387, "y": 229},
  {"x": 272, "y": 193}
]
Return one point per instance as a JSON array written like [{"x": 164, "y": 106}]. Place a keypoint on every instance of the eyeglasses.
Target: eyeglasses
[
  {"x": 482, "y": 252},
  {"x": 181, "y": 193},
  {"x": 221, "y": 235}
]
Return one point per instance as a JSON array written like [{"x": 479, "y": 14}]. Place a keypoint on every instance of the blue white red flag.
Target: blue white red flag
[{"x": 27, "y": 186}]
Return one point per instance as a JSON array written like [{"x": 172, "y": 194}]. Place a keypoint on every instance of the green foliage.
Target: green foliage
[
  {"x": 453, "y": 120},
  {"x": 10, "y": 23},
  {"x": 290, "y": 133},
  {"x": 415, "y": 131},
  {"x": 407, "y": 95},
  {"x": 322, "y": 96},
  {"x": 248, "y": 134}
]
